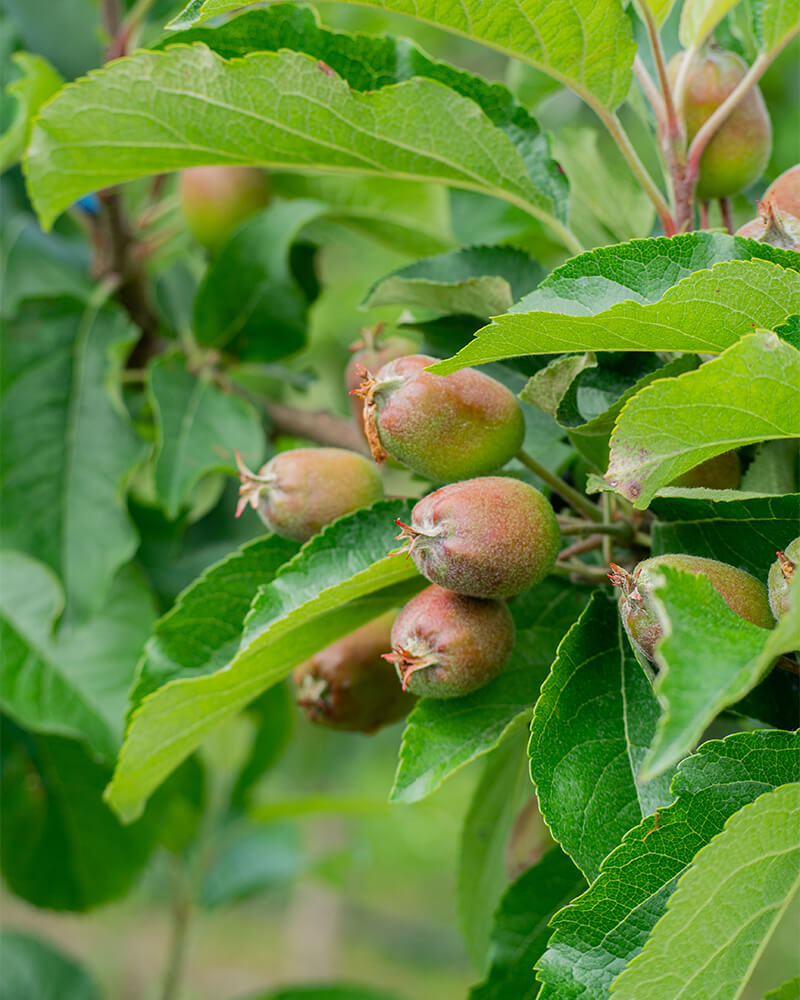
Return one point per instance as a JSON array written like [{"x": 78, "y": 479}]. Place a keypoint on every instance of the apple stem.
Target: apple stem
[
  {"x": 727, "y": 215},
  {"x": 575, "y": 499}
]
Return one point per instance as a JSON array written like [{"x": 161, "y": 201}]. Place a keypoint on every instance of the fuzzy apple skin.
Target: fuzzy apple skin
[
  {"x": 490, "y": 537},
  {"x": 743, "y": 593},
  {"x": 723, "y": 472},
  {"x": 300, "y": 491},
  {"x": 773, "y": 226},
  {"x": 216, "y": 200},
  {"x": 781, "y": 574},
  {"x": 443, "y": 427},
  {"x": 445, "y": 645},
  {"x": 785, "y": 191},
  {"x": 348, "y": 685},
  {"x": 738, "y": 152},
  {"x": 372, "y": 354}
]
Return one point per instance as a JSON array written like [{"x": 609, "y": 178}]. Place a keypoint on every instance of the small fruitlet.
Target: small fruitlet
[
  {"x": 486, "y": 537},
  {"x": 777, "y": 228},
  {"x": 299, "y": 491},
  {"x": 445, "y": 645},
  {"x": 215, "y": 200},
  {"x": 443, "y": 427},
  {"x": 781, "y": 574},
  {"x": 370, "y": 353},
  {"x": 349, "y": 685},
  {"x": 742, "y": 592},
  {"x": 723, "y": 472},
  {"x": 738, "y": 151},
  {"x": 784, "y": 192}
]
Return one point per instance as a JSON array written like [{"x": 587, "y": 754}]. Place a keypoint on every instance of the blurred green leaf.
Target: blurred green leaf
[
  {"x": 67, "y": 444},
  {"x": 62, "y": 848},
  {"x": 273, "y": 715},
  {"x": 700, "y": 17},
  {"x": 788, "y": 991},
  {"x": 75, "y": 683},
  {"x": 591, "y": 729},
  {"x": 249, "y": 301},
  {"x": 520, "y": 931},
  {"x": 775, "y": 22},
  {"x": 66, "y": 33},
  {"x": 280, "y": 109},
  {"x": 34, "y": 970},
  {"x": 38, "y": 82},
  {"x": 725, "y": 907},
  {"x": 324, "y": 992},
  {"x": 750, "y": 393},
  {"x": 199, "y": 428},
  {"x": 339, "y": 580},
  {"x": 595, "y": 937},
  {"x": 481, "y": 865},
  {"x": 253, "y": 861},
  {"x": 478, "y": 281},
  {"x": 707, "y": 309},
  {"x": 555, "y": 37},
  {"x": 709, "y": 658},
  {"x": 442, "y": 735}
]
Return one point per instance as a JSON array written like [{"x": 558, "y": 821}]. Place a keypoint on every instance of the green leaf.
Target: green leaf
[
  {"x": 724, "y": 908},
  {"x": 775, "y": 22},
  {"x": 700, "y": 17},
  {"x": 774, "y": 469},
  {"x": 201, "y": 633},
  {"x": 340, "y": 579},
  {"x": 199, "y": 428},
  {"x": 442, "y": 735},
  {"x": 709, "y": 658},
  {"x": 253, "y": 861},
  {"x": 788, "y": 991},
  {"x": 607, "y": 204},
  {"x": 546, "y": 389},
  {"x": 38, "y": 82},
  {"x": 744, "y": 532},
  {"x": 249, "y": 301},
  {"x": 34, "y": 970},
  {"x": 591, "y": 728},
  {"x": 660, "y": 9},
  {"x": 520, "y": 931},
  {"x": 65, "y": 33},
  {"x": 587, "y": 46},
  {"x": 74, "y": 684},
  {"x": 68, "y": 445},
  {"x": 478, "y": 281},
  {"x": 706, "y": 310},
  {"x": 482, "y": 874},
  {"x": 137, "y": 117},
  {"x": 62, "y": 848},
  {"x": 750, "y": 393},
  {"x": 595, "y": 937}
]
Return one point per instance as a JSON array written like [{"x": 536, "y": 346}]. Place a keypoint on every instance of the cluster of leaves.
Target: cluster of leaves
[{"x": 121, "y": 413}]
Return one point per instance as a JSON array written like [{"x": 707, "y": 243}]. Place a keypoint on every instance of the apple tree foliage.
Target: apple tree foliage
[{"x": 138, "y": 616}]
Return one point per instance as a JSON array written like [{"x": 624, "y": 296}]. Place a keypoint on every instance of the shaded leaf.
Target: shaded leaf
[
  {"x": 38, "y": 82},
  {"x": 520, "y": 931},
  {"x": 199, "y": 428},
  {"x": 724, "y": 908},
  {"x": 254, "y": 860},
  {"x": 750, "y": 393},
  {"x": 67, "y": 444},
  {"x": 790, "y": 990},
  {"x": 595, "y": 937},
  {"x": 34, "y": 970},
  {"x": 591, "y": 728}
]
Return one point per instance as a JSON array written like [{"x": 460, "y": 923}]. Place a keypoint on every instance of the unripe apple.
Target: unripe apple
[
  {"x": 299, "y": 491},
  {"x": 348, "y": 685},
  {"x": 784, "y": 192},
  {"x": 773, "y": 226},
  {"x": 739, "y": 150},
  {"x": 781, "y": 574},
  {"x": 723, "y": 472},
  {"x": 370, "y": 353},
  {"x": 445, "y": 645},
  {"x": 486, "y": 537},
  {"x": 443, "y": 427},
  {"x": 216, "y": 200},
  {"x": 743, "y": 593}
]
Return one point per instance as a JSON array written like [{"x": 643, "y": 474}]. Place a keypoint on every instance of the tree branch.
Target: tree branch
[{"x": 322, "y": 428}]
